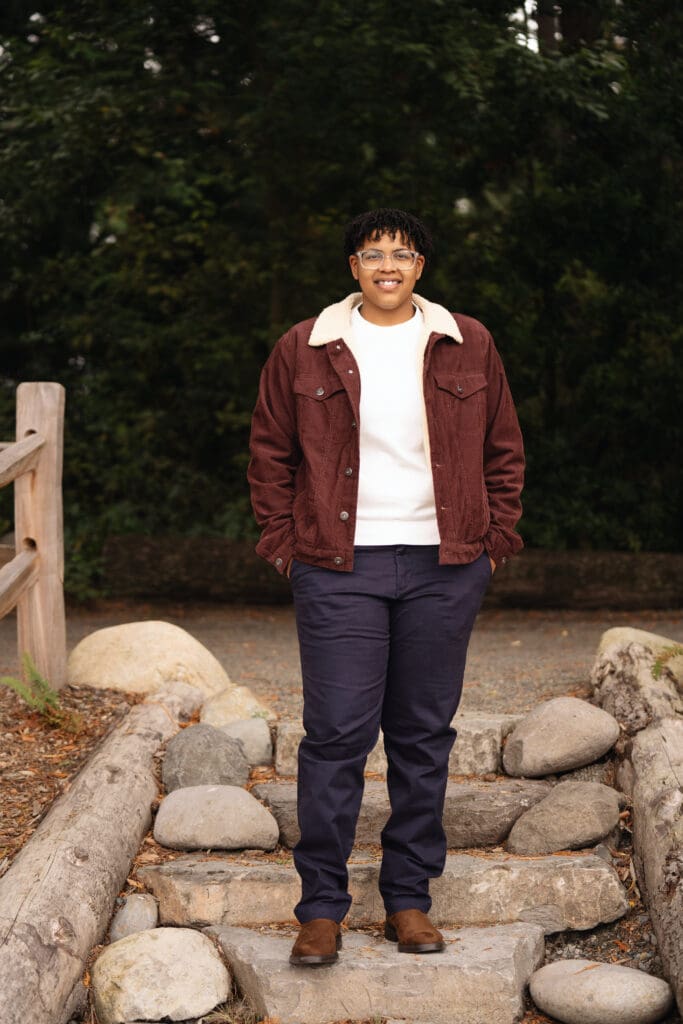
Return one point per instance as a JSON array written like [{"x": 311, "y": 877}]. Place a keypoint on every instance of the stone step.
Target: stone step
[
  {"x": 478, "y": 979},
  {"x": 555, "y": 892},
  {"x": 476, "y": 751},
  {"x": 476, "y": 813}
]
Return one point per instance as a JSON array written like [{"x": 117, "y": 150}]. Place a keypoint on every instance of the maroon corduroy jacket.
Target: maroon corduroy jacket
[{"x": 303, "y": 470}]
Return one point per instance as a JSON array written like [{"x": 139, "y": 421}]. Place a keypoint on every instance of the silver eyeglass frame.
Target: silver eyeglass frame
[{"x": 385, "y": 256}]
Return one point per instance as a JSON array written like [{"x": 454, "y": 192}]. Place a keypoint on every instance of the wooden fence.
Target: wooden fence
[{"x": 33, "y": 581}]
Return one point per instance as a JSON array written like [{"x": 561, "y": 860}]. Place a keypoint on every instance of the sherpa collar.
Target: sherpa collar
[{"x": 335, "y": 321}]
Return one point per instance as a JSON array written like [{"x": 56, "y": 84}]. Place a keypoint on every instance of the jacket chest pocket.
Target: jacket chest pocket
[
  {"x": 462, "y": 397},
  {"x": 320, "y": 401}
]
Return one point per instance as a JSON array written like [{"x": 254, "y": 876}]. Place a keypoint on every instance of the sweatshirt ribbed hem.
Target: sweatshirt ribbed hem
[{"x": 396, "y": 531}]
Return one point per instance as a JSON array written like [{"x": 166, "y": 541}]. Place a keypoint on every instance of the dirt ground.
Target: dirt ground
[{"x": 516, "y": 657}]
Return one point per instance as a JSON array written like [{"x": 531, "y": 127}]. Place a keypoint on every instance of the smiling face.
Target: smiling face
[{"x": 387, "y": 290}]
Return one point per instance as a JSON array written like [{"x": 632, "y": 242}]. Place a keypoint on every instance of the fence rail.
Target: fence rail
[{"x": 33, "y": 581}]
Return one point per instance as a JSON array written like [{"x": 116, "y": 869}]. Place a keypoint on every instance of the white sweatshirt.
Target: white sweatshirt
[{"x": 395, "y": 488}]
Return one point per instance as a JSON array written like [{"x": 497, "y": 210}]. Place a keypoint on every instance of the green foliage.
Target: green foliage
[
  {"x": 674, "y": 651},
  {"x": 175, "y": 178},
  {"x": 39, "y": 695}
]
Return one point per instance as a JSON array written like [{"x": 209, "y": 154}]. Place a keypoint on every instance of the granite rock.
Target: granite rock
[
  {"x": 163, "y": 974},
  {"x": 204, "y": 756},
  {"x": 214, "y": 817},
  {"x": 559, "y": 735},
  {"x": 138, "y": 913},
  {"x": 254, "y": 735},
  {"x": 590, "y": 992},
  {"x": 142, "y": 657},
  {"x": 571, "y": 816}
]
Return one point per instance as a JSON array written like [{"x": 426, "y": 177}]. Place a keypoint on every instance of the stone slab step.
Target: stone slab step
[
  {"x": 476, "y": 751},
  {"x": 476, "y": 813},
  {"x": 554, "y": 892},
  {"x": 478, "y": 979}
]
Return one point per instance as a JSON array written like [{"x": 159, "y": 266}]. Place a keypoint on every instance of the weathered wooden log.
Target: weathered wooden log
[
  {"x": 624, "y": 684},
  {"x": 657, "y": 759},
  {"x": 57, "y": 897}
]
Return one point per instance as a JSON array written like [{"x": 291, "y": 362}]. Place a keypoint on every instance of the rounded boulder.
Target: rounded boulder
[
  {"x": 142, "y": 657},
  {"x": 232, "y": 705},
  {"x": 204, "y": 756},
  {"x": 214, "y": 818},
  {"x": 160, "y": 974},
  {"x": 590, "y": 992},
  {"x": 557, "y": 736},
  {"x": 571, "y": 816}
]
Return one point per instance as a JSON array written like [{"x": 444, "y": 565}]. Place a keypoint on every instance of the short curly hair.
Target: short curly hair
[{"x": 387, "y": 221}]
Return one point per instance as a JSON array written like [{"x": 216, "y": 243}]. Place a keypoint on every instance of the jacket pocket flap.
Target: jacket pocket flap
[
  {"x": 462, "y": 385},
  {"x": 316, "y": 387}
]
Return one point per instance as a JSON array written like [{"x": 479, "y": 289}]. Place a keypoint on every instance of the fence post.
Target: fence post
[{"x": 38, "y": 521}]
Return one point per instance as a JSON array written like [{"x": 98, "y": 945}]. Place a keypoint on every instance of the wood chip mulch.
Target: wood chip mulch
[{"x": 38, "y": 759}]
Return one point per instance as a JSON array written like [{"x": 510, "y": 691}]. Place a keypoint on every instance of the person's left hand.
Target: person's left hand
[{"x": 493, "y": 565}]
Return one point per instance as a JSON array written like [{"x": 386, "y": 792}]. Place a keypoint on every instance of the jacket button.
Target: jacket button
[
  {"x": 459, "y": 389},
  {"x": 343, "y": 516},
  {"x": 503, "y": 560},
  {"x": 353, "y": 424},
  {"x": 349, "y": 371},
  {"x": 348, "y": 471},
  {"x": 320, "y": 391},
  {"x": 338, "y": 560},
  {"x": 338, "y": 347},
  {"x": 278, "y": 562}
]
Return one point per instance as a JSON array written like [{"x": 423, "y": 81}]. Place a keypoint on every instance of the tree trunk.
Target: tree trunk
[
  {"x": 546, "y": 19},
  {"x": 57, "y": 898}
]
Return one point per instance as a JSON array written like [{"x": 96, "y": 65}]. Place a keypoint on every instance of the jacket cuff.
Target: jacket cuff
[
  {"x": 502, "y": 545},
  {"x": 280, "y": 557}
]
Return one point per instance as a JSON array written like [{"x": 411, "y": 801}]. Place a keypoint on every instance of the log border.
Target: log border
[{"x": 57, "y": 897}]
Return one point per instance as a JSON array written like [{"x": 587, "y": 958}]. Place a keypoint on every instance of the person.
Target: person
[{"x": 386, "y": 466}]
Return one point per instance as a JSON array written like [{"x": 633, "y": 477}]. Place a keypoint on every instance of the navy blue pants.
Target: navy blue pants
[{"x": 384, "y": 645}]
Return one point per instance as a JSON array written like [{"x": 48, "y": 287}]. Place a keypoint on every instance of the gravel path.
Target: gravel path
[{"x": 516, "y": 657}]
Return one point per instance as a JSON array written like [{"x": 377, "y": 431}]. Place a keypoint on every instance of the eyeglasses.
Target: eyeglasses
[{"x": 373, "y": 259}]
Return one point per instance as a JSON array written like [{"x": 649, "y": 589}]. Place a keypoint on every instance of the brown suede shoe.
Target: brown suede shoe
[
  {"x": 414, "y": 932},
  {"x": 317, "y": 943}
]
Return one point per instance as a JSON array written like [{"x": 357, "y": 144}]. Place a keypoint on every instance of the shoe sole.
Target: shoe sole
[
  {"x": 391, "y": 934},
  {"x": 316, "y": 961}
]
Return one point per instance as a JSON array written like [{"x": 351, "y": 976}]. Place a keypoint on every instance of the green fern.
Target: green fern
[
  {"x": 666, "y": 655},
  {"x": 39, "y": 695}
]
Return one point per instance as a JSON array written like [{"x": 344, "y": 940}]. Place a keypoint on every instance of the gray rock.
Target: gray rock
[
  {"x": 166, "y": 973},
  {"x": 600, "y": 771},
  {"x": 589, "y": 992},
  {"x": 204, "y": 756},
  {"x": 216, "y": 818},
  {"x": 254, "y": 735},
  {"x": 476, "y": 813},
  {"x": 559, "y": 735},
  {"x": 557, "y": 893},
  {"x": 476, "y": 751},
  {"x": 479, "y": 978},
  {"x": 139, "y": 913},
  {"x": 571, "y": 816},
  {"x": 233, "y": 703},
  {"x": 183, "y": 699}
]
